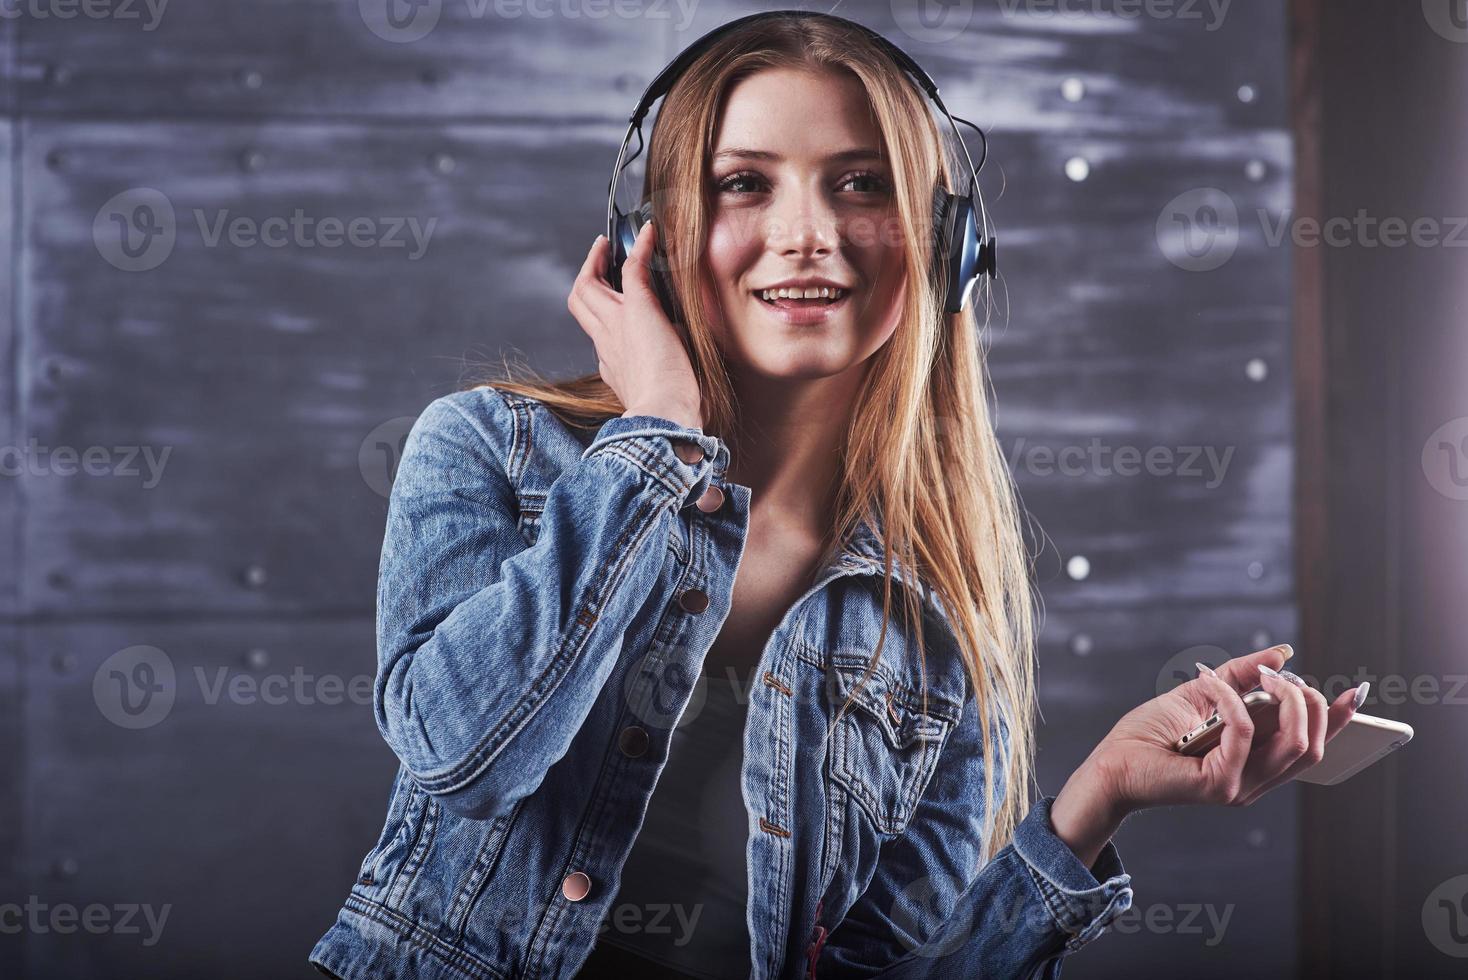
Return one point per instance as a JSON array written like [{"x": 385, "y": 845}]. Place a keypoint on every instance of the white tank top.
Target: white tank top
[{"x": 683, "y": 894}]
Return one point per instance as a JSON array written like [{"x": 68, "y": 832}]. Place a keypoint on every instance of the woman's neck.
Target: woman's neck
[{"x": 787, "y": 448}]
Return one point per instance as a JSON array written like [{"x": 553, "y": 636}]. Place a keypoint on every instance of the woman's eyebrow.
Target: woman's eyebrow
[{"x": 842, "y": 156}]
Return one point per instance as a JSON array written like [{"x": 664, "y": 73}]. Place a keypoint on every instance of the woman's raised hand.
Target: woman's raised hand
[
  {"x": 638, "y": 350},
  {"x": 1136, "y": 765}
]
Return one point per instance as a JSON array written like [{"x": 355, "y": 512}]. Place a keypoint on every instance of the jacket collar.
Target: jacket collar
[{"x": 862, "y": 554}]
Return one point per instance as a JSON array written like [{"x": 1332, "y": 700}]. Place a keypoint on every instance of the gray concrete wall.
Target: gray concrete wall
[{"x": 242, "y": 405}]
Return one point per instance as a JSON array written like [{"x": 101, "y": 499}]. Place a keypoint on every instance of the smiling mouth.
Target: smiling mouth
[{"x": 825, "y": 297}]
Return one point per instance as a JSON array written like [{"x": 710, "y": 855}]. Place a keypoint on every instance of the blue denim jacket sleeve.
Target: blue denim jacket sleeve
[
  {"x": 932, "y": 913},
  {"x": 491, "y": 653}
]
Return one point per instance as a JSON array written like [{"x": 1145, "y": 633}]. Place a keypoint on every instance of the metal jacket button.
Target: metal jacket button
[
  {"x": 689, "y": 452},
  {"x": 633, "y": 741},
  {"x": 694, "y": 600},
  {"x": 576, "y": 886},
  {"x": 712, "y": 500}
]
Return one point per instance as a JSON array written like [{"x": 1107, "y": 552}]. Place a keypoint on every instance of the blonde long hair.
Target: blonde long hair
[{"x": 920, "y": 448}]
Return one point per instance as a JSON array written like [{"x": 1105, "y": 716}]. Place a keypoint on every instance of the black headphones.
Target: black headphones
[{"x": 956, "y": 231}]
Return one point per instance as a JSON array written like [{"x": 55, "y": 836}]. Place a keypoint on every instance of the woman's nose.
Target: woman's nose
[{"x": 802, "y": 227}]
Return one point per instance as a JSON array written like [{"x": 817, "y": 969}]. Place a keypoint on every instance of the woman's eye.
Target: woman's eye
[
  {"x": 878, "y": 185},
  {"x": 731, "y": 182},
  {"x": 749, "y": 183}
]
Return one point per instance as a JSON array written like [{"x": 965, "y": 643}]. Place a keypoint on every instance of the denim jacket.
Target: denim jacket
[{"x": 546, "y": 598}]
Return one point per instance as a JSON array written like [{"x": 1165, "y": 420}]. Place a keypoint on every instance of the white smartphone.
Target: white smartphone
[{"x": 1364, "y": 740}]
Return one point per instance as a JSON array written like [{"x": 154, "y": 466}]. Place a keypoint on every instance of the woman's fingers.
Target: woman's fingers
[
  {"x": 1223, "y": 768},
  {"x": 1317, "y": 719},
  {"x": 1341, "y": 710},
  {"x": 1326, "y": 721},
  {"x": 1243, "y": 672},
  {"x": 1240, "y": 673},
  {"x": 593, "y": 301},
  {"x": 593, "y": 268},
  {"x": 634, "y": 270},
  {"x": 1289, "y": 746}
]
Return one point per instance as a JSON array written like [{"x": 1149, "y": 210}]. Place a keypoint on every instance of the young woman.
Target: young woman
[{"x": 718, "y": 662}]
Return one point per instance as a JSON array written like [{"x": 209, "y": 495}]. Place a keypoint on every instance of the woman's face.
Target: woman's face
[{"x": 800, "y": 190}]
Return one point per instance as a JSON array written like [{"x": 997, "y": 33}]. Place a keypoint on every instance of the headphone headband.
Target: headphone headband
[{"x": 661, "y": 85}]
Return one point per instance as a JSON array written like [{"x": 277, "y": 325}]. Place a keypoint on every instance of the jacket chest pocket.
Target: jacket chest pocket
[{"x": 886, "y": 747}]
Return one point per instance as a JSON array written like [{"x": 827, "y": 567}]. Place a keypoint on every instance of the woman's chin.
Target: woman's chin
[{"x": 794, "y": 365}]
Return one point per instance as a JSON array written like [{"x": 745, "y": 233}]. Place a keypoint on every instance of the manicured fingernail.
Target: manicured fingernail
[
  {"x": 1205, "y": 669},
  {"x": 1293, "y": 678},
  {"x": 1266, "y": 669},
  {"x": 1360, "y": 697},
  {"x": 1289, "y": 651}
]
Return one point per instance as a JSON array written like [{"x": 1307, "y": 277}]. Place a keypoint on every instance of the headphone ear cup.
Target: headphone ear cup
[
  {"x": 941, "y": 199},
  {"x": 624, "y": 238},
  {"x": 942, "y": 202},
  {"x": 627, "y": 227},
  {"x": 950, "y": 218}
]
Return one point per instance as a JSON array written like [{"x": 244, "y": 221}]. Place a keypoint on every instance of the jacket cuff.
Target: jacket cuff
[
  {"x": 1082, "y": 901},
  {"x": 648, "y": 442}
]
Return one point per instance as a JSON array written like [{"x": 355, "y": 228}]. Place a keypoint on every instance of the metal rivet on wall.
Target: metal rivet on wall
[
  {"x": 1247, "y": 94},
  {"x": 1081, "y": 644},
  {"x": 1073, "y": 89},
  {"x": 1078, "y": 567},
  {"x": 1260, "y": 640},
  {"x": 442, "y": 163},
  {"x": 1258, "y": 837},
  {"x": 1077, "y": 169},
  {"x": 254, "y": 576},
  {"x": 251, "y": 159},
  {"x": 1256, "y": 369},
  {"x": 250, "y": 78},
  {"x": 257, "y": 658},
  {"x": 1256, "y": 570},
  {"x": 57, "y": 74},
  {"x": 63, "y": 663},
  {"x": 1255, "y": 170},
  {"x": 65, "y": 867}
]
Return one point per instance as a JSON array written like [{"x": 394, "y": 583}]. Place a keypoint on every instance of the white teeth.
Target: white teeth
[{"x": 813, "y": 292}]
